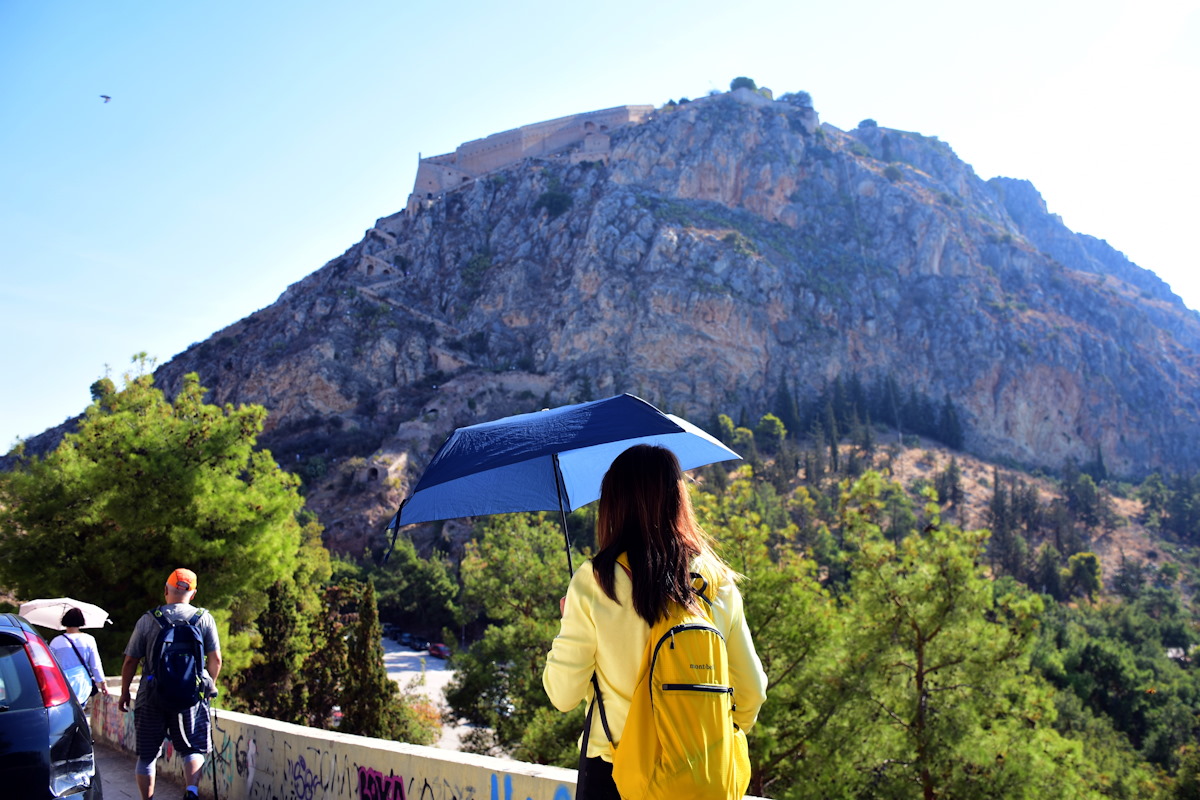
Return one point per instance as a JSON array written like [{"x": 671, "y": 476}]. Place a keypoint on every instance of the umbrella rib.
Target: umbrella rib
[{"x": 562, "y": 514}]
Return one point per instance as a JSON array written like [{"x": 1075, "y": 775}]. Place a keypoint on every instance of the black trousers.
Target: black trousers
[{"x": 595, "y": 780}]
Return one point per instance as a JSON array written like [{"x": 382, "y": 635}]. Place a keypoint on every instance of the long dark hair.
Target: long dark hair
[{"x": 645, "y": 511}]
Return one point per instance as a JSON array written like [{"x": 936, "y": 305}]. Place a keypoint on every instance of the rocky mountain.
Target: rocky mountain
[{"x": 717, "y": 248}]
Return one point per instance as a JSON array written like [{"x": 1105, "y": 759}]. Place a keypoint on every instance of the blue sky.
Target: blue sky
[{"x": 247, "y": 143}]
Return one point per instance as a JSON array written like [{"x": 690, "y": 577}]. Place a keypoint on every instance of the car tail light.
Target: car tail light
[{"x": 49, "y": 677}]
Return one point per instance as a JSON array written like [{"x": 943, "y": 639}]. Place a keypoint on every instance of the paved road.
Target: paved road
[
  {"x": 404, "y": 666},
  {"x": 116, "y": 775}
]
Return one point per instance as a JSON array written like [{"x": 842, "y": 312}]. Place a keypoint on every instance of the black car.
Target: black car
[
  {"x": 419, "y": 643},
  {"x": 45, "y": 743}
]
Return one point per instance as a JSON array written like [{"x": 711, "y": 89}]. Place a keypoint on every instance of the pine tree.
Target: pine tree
[
  {"x": 277, "y": 682},
  {"x": 1047, "y": 577},
  {"x": 272, "y": 686},
  {"x": 949, "y": 485},
  {"x": 725, "y": 428},
  {"x": 1083, "y": 574},
  {"x": 329, "y": 663},
  {"x": 770, "y": 432},
  {"x": 814, "y": 469},
  {"x": 1130, "y": 579},
  {"x": 373, "y": 705},
  {"x": 949, "y": 427},
  {"x": 932, "y": 692},
  {"x": 786, "y": 408},
  {"x": 832, "y": 435}
]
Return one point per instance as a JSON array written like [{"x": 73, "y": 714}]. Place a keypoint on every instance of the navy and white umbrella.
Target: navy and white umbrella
[{"x": 547, "y": 460}]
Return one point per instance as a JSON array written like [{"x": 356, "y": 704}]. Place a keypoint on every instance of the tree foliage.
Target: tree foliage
[
  {"x": 371, "y": 701},
  {"x": 419, "y": 594},
  {"x": 282, "y": 681},
  {"x": 142, "y": 486},
  {"x": 513, "y": 575},
  {"x": 897, "y": 666}
]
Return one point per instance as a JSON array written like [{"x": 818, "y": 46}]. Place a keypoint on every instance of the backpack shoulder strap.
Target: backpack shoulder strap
[
  {"x": 597, "y": 700},
  {"x": 702, "y": 590},
  {"x": 200, "y": 612},
  {"x": 79, "y": 655},
  {"x": 159, "y": 617}
]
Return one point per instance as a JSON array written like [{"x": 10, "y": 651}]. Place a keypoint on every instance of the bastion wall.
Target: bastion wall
[{"x": 588, "y": 131}]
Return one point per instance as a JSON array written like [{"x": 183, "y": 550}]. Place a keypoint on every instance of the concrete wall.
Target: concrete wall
[
  {"x": 262, "y": 759},
  {"x": 268, "y": 760}
]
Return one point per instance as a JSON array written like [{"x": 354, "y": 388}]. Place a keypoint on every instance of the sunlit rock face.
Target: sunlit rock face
[{"x": 722, "y": 246}]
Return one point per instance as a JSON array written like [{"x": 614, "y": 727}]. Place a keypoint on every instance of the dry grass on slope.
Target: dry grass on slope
[{"x": 1129, "y": 536}]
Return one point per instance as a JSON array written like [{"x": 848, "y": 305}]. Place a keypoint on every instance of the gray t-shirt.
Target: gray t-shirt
[{"x": 146, "y": 631}]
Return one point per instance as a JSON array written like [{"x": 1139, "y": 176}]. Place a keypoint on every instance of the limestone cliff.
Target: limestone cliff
[{"x": 726, "y": 242}]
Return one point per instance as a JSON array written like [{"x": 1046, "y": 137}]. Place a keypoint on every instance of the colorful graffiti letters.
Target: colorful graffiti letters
[{"x": 374, "y": 785}]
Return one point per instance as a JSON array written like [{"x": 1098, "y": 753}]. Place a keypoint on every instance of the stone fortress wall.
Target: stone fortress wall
[
  {"x": 578, "y": 137},
  {"x": 471, "y": 160}
]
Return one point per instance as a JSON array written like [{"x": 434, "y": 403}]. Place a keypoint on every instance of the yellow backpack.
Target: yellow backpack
[{"x": 680, "y": 741}]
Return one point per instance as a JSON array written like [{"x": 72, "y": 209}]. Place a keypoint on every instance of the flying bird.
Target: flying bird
[{"x": 106, "y": 97}]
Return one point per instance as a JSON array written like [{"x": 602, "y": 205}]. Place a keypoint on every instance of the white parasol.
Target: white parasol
[{"x": 48, "y": 612}]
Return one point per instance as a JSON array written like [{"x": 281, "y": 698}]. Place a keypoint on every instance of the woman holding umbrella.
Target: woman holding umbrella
[
  {"x": 79, "y": 657},
  {"x": 650, "y": 546}
]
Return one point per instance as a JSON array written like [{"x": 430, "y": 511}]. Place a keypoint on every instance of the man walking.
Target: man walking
[{"x": 153, "y": 718}]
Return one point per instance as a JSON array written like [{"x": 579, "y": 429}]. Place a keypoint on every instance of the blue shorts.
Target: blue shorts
[{"x": 188, "y": 730}]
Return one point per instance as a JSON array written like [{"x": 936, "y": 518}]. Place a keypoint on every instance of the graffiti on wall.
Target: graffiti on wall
[
  {"x": 374, "y": 785},
  {"x": 265, "y": 760},
  {"x": 112, "y": 724}
]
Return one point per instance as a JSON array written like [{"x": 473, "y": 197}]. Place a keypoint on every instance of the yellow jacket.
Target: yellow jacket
[{"x": 598, "y": 635}]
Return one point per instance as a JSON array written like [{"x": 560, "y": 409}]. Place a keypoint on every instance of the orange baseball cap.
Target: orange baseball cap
[{"x": 182, "y": 579}]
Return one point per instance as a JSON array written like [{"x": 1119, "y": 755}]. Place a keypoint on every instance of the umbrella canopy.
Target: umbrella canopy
[
  {"x": 48, "y": 612},
  {"x": 547, "y": 460}
]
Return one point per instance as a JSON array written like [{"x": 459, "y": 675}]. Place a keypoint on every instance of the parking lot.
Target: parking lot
[{"x": 408, "y": 668}]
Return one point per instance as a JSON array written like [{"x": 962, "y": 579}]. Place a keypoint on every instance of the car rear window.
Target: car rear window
[{"x": 18, "y": 685}]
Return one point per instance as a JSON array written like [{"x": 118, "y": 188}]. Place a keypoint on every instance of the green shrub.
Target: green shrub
[
  {"x": 741, "y": 244},
  {"x": 742, "y": 83},
  {"x": 802, "y": 99},
  {"x": 554, "y": 202},
  {"x": 474, "y": 270},
  {"x": 868, "y": 123},
  {"x": 893, "y": 173}
]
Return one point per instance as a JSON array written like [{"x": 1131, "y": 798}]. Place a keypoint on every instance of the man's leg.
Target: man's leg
[
  {"x": 190, "y": 733},
  {"x": 150, "y": 727},
  {"x": 192, "y": 765},
  {"x": 145, "y": 783}
]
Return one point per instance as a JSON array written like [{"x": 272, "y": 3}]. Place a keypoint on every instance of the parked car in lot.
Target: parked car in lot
[
  {"x": 405, "y": 639},
  {"x": 439, "y": 650},
  {"x": 419, "y": 644},
  {"x": 45, "y": 743}
]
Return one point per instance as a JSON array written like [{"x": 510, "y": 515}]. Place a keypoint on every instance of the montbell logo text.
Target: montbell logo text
[{"x": 700, "y": 666}]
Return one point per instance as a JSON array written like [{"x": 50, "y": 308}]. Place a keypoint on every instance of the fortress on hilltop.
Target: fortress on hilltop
[{"x": 588, "y": 133}]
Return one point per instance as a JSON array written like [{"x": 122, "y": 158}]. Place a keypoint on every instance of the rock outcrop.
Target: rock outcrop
[{"x": 729, "y": 242}]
